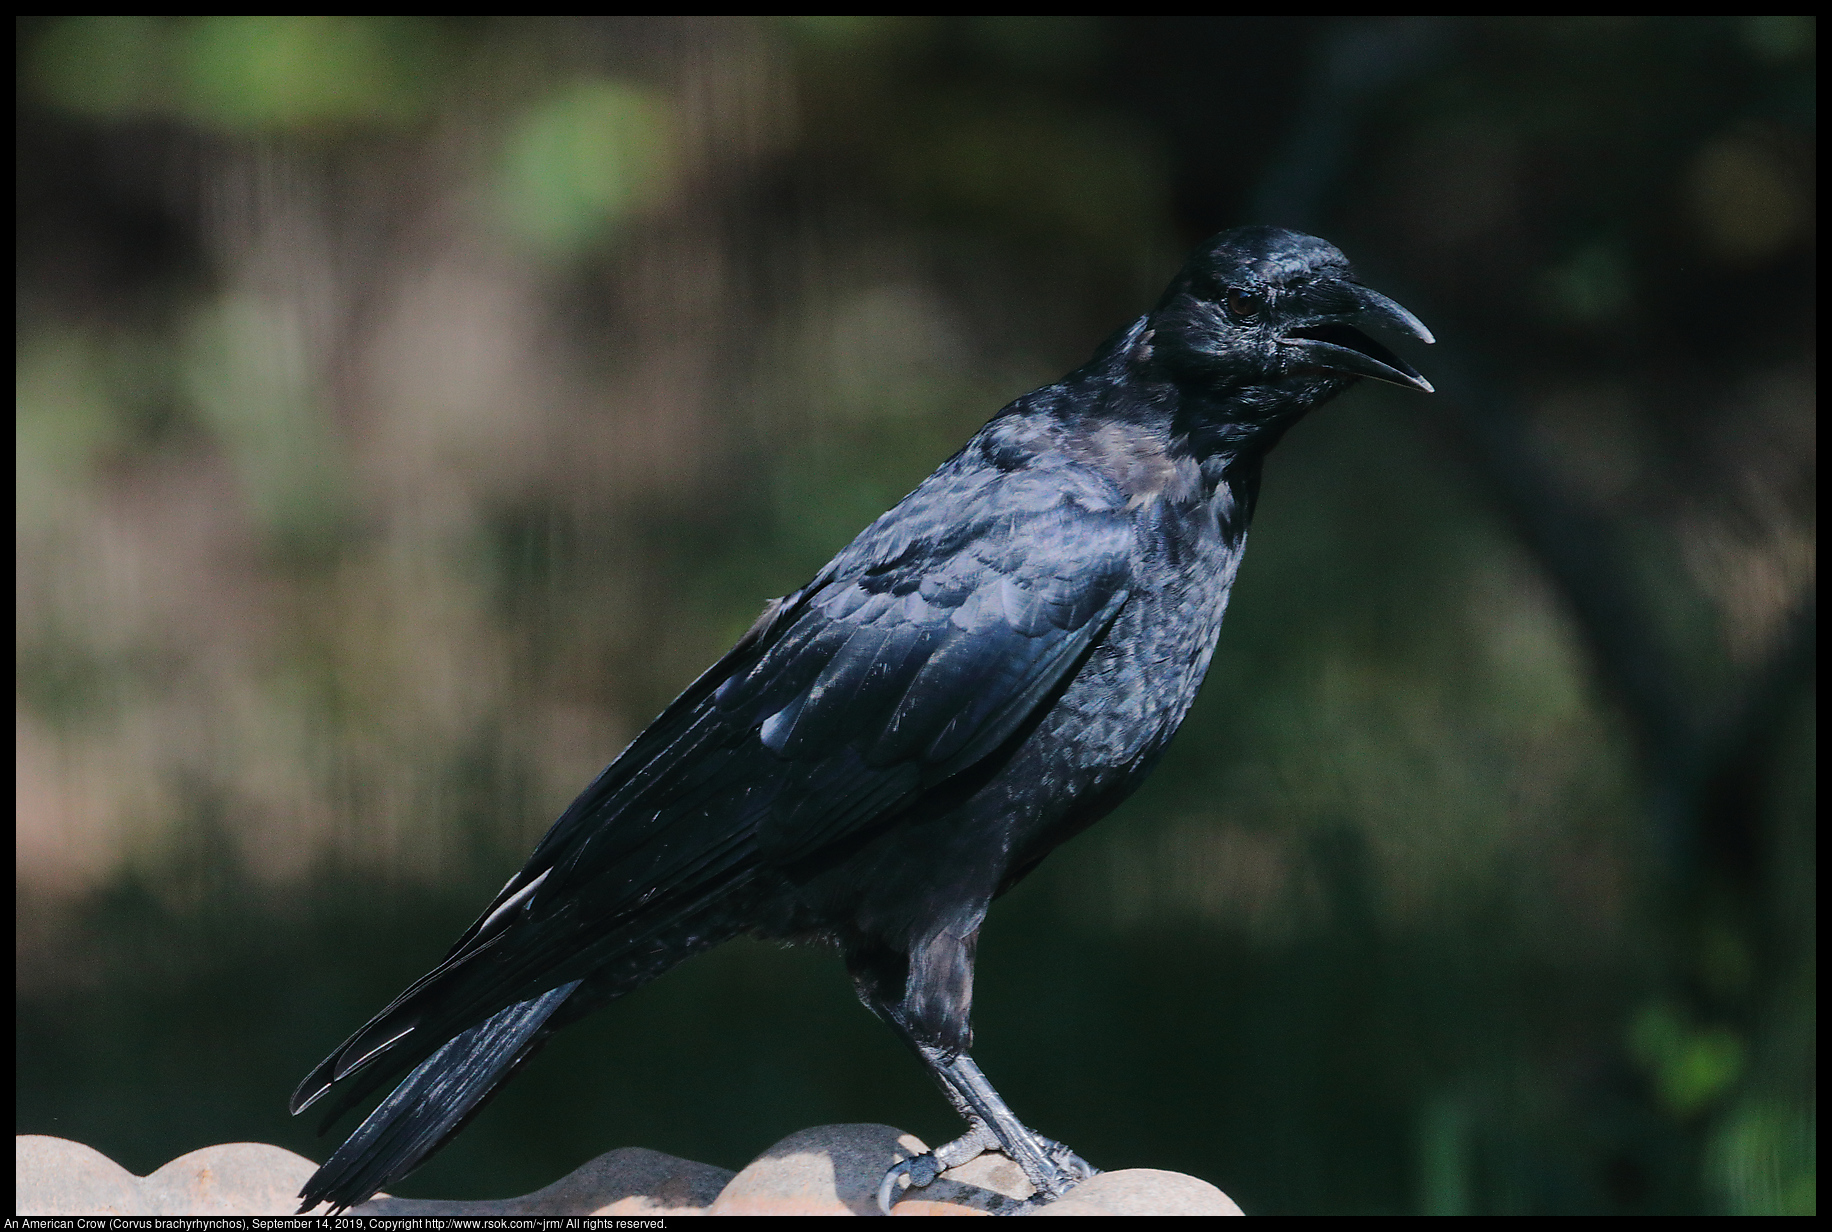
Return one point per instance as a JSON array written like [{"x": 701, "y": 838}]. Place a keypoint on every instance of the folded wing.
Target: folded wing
[{"x": 921, "y": 650}]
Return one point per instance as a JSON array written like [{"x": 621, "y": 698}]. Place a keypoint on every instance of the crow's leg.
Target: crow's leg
[
  {"x": 1053, "y": 1169},
  {"x": 925, "y": 993}
]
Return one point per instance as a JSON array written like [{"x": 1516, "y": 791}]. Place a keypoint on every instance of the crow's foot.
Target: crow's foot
[
  {"x": 1070, "y": 1170},
  {"x": 1052, "y": 1168},
  {"x": 923, "y": 1169}
]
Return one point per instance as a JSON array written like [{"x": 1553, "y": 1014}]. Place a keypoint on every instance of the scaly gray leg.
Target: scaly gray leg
[{"x": 1053, "y": 1169}]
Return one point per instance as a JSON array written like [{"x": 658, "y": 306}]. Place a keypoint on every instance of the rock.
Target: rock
[
  {"x": 828, "y": 1170},
  {"x": 988, "y": 1185},
  {"x": 239, "y": 1178},
  {"x": 56, "y": 1177},
  {"x": 53, "y": 1176},
  {"x": 1142, "y": 1191},
  {"x": 628, "y": 1181}
]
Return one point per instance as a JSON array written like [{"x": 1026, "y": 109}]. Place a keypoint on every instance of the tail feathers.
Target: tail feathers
[{"x": 431, "y": 1104}]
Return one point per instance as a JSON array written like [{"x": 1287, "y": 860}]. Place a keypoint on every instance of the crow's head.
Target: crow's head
[{"x": 1269, "y": 310}]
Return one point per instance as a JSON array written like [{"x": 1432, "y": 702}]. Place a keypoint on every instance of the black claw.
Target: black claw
[
  {"x": 1067, "y": 1170},
  {"x": 1078, "y": 1168},
  {"x": 921, "y": 1170},
  {"x": 887, "y": 1188}
]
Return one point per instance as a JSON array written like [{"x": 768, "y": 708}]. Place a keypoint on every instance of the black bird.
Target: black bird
[{"x": 988, "y": 669}]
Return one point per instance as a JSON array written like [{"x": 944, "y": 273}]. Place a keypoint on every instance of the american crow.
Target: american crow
[{"x": 988, "y": 669}]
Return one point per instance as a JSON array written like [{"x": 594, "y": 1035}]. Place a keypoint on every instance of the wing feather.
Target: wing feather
[{"x": 917, "y": 653}]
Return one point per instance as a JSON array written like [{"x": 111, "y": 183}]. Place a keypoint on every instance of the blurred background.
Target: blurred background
[{"x": 408, "y": 408}]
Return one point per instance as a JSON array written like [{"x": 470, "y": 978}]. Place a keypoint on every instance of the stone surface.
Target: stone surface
[
  {"x": 988, "y": 1185},
  {"x": 53, "y": 1176},
  {"x": 239, "y": 1178},
  {"x": 828, "y": 1170},
  {"x": 1141, "y": 1191},
  {"x": 57, "y": 1177},
  {"x": 629, "y": 1181}
]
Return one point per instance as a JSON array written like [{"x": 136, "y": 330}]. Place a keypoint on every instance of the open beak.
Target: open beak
[{"x": 1333, "y": 342}]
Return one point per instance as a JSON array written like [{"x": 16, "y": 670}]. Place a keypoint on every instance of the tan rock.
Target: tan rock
[
  {"x": 54, "y": 1176},
  {"x": 58, "y": 1177},
  {"x": 1142, "y": 1191},
  {"x": 629, "y": 1181},
  {"x": 990, "y": 1184},
  {"x": 828, "y": 1170},
  {"x": 236, "y": 1178}
]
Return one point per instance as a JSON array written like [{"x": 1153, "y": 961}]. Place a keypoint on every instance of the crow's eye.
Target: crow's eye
[{"x": 1245, "y": 305}]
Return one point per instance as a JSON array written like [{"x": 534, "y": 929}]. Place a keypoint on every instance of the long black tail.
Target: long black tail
[{"x": 431, "y": 1104}]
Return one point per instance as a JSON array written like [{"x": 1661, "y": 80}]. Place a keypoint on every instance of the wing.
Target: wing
[{"x": 919, "y": 651}]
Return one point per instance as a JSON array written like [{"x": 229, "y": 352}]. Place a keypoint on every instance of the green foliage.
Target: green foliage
[
  {"x": 246, "y": 374},
  {"x": 242, "y": 74},
  {"x": 1765, "y": 1159},
  {"x": 581, "y": 160},
  {"x": 1691, "y": 1067}
]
